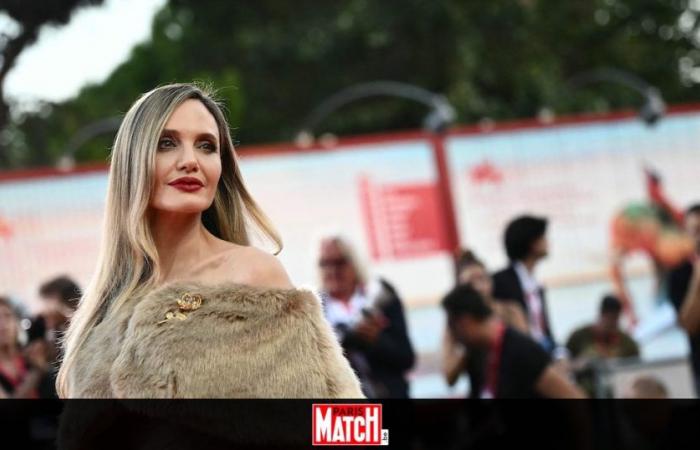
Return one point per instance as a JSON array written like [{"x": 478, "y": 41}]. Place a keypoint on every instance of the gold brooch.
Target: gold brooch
[{"x": 185, "y": 304}]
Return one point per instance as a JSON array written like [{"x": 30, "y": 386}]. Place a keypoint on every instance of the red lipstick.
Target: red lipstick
[{"x": 187, "y": 184}]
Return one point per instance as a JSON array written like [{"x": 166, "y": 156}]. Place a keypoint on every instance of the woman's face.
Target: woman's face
[
  {"x": 8, "y": 326},
  {"x": 188, "y": 161},
  {"x": 476, "y": 276}
]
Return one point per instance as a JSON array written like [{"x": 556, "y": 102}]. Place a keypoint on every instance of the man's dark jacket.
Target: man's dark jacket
[
  {"x": 391, "y": 355},
  {"x": 506, "y": 286}
]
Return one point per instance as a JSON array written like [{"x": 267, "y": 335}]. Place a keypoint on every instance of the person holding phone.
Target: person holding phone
[{"x": 368, "y": 318}]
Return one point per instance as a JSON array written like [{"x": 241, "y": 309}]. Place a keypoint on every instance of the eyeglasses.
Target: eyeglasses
[{"x": 332, "y": 263}]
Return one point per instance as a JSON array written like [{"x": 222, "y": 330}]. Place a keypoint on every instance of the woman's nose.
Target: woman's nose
[{"x": 188, "y": 159}]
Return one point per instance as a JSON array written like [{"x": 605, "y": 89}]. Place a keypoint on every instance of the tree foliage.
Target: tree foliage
[
  {"x": 275, "y": 60},
  {"x": 29, "y": 17}
]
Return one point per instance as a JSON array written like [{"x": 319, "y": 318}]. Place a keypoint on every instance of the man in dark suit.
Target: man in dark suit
[{"x": 526, "y": 244}]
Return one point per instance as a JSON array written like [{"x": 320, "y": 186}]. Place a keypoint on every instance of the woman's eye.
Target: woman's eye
[
  {"x": 208, "y": 146},
  {"x": 166, "y": 143}
]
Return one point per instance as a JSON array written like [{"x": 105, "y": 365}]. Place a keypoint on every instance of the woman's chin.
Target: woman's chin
[{"x": 183, "y": 208}]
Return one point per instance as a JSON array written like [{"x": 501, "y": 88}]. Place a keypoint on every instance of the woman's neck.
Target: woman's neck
[{"x": 182, "y": 242}]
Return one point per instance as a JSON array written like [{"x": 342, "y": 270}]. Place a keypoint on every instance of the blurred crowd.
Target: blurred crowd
[
  {"x": 497, "y": 330},
  {"x": 30, "y": 347}
]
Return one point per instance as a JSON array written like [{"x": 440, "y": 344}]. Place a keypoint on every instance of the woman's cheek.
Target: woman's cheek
[{"x": 215, "y": 179}]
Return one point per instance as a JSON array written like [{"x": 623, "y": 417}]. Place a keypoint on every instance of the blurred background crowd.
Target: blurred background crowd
[
  {"x": 496, "y": 331},
  {"x": 538, "y": 236}
]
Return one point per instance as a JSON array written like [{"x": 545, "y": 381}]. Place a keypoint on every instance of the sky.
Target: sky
[{"x": 86, "y": 50}]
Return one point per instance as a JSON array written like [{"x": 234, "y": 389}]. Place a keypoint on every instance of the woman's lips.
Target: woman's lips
[{"x": 187, "y": 187}]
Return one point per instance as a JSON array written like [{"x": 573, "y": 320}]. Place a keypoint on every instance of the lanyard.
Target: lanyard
[{"x": 494, "y": 362}]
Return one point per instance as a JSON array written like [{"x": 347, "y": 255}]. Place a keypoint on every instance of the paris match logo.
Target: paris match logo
[{"x": 348, "y": 424}]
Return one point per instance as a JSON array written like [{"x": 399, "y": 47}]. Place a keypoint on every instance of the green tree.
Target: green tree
[
  {"x": 29, "y": 17},
  {"x": 275, "y": 60}
]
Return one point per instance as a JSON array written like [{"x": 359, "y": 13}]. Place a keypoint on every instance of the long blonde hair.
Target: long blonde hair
[{"x": 127, "y": 265}]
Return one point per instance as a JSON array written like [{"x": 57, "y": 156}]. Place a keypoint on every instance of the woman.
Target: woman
[
  {"x": 20, "y": 373},
  {"x": 471, "y": 271},
  {"x": 181, "y": 304}
]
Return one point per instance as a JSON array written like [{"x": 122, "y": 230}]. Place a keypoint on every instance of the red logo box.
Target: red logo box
[{"x": 348, "y": 424}]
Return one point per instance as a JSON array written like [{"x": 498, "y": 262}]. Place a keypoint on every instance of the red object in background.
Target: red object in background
[
  {"x": 5, "y": 230},
  {"x": 485, "y": 172},
  {"x": 403, "y": 220},
  {"x": 656, "y": 194}
]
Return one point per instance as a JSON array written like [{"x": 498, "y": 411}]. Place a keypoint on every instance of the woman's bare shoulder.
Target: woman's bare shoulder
[{"x": 252, "y": 266}]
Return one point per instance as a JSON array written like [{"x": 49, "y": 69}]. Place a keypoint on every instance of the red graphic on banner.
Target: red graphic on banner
[
  {"x": 5, "y": 230},
  {"x": 485, "y": 172},
  {"x": 403, "y": 220}
]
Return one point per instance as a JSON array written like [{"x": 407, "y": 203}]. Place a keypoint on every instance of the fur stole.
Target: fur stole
[{"x": 241, "y": 342}]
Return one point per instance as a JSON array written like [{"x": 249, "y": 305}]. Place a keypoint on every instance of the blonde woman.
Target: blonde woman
[{"x": 181, "y": 305}]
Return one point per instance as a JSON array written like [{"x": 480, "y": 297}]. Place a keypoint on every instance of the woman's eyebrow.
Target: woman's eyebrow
[
  {"x": 205, "y": 135},
  {"x": 209, "y": 136}
]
